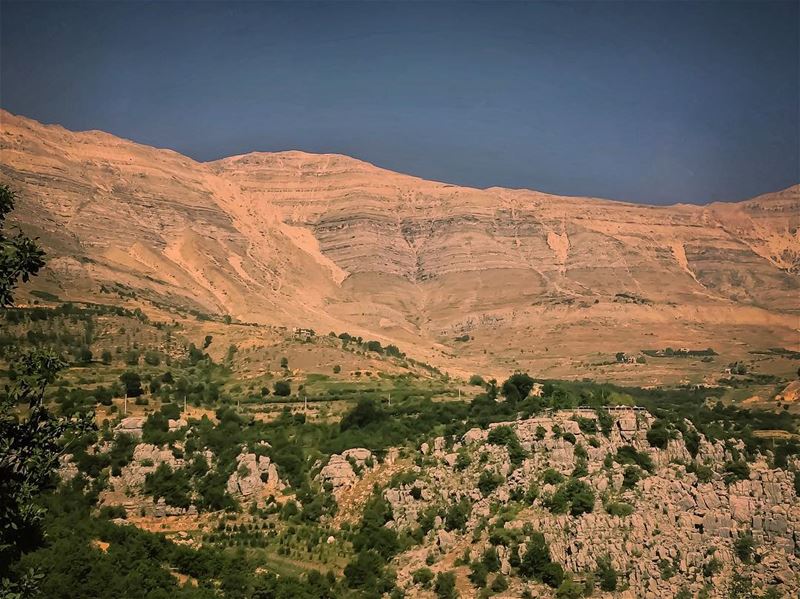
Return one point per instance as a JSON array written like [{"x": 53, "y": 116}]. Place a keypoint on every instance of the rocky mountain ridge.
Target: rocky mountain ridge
[{"x": 334, "y": 243}]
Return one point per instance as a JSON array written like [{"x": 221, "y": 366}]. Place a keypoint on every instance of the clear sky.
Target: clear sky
[{"x": 654, "y": 102}]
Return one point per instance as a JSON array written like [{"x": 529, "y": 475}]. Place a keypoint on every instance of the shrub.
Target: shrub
[
  {"x": 703, "y": 473},
  {"x": 738, "y": 470},
  {"x": 619, "y": 508},
  {"x": 606, "y": 574},
  {"x": 477, "y": 574},
  {"x": 476, "y": 380},
  {"x": 627, "y": 454},
  {"x": 172, "y": 485},
  {"x": 505, "y": 435},
  {"x": 605, "y": 420},
  {"x": 666, "y": 569},
  {"x": 282, "y": 388},
  {"x": 587, "y": 425},
  {"x": 552, "y": 477},
  {"x": 499, "y": 584},
  {"x": 462, "y": 459},
  {"x": 658, "y": 435},
  {"x": 457, "y": 515},
  {"x": 111, "y": 512},
  {"x": 569, "y": 589},
  {"x": 488, "y": 482},
  {"x": 422, "y": 577},
  {"x": 712, "y": 567},
  {"x": 743, "y": 546},
  {"x": 537, "y": 564},
  {"x": 445, "y": 585},
  {"x": 630, "y": 477},
  {"x": 575, "y": 495},
  {"x": 490, "y": 559}
]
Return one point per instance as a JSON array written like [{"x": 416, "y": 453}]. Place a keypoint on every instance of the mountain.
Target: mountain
[{"x": 469, "y": 279}]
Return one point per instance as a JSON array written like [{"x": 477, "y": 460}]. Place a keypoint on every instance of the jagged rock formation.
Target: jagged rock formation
[
  {"x": 127, "y": 488},
  {"x": 254, "y": 476},
  {"x": 335, "y": 243},
  {"x": 132, "y": 425},
  {"x": 679, "y": 528},
  {"x": 340, "y": 471}
]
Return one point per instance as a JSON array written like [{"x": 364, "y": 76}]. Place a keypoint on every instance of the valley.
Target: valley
[{"x": 294, "y": 375}]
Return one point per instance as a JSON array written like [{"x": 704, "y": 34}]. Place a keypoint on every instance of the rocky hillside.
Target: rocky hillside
[
  {"x": 610, "y": 502},
  {"x": 656, "y": 518},
  {"x": 334, "y": 243}
]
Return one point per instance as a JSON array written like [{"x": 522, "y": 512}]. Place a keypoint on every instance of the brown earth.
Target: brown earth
[{"x": 540, "y": 282}]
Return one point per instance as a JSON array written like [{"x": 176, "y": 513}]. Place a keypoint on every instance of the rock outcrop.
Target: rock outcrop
[
  {"x": 677, "y": 525},
  {"x": 342, "y": 471},
  {"x": 254, "y": 476}
]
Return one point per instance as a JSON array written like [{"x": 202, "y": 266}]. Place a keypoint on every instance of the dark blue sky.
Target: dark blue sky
[{"x": 643, "y": 101}]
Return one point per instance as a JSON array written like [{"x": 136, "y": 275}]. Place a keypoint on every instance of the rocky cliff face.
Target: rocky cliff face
[
  {"x": 680, "y": 533},
  {"x": 336, "y": 243}
]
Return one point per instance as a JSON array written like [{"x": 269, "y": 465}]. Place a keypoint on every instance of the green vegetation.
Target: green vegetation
[
  {"x": 606, "y": 574},
  {"x": 488, "y": 481},
  {"x": 379, "y": 411},
  {"x": 505, "y": 436},
  {"x": 743, "y": 547},
  {"x": 619, "y": 508},
  {"x": 574, "y": 496},
  {"x": 536, "y": 562},
  {"x": 29, "y": 445}
]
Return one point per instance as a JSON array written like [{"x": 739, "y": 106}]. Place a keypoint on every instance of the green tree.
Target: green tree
[
  {"x": 445, "y": 586},
  {"x": 517, "y": 386},
  {"x": 132, "y": 358},
  {"x": 30, "y": 444},
  {"x": 536, "y": 562},
  {"x": 20, "y": 256},
  {"x": 477, "y": 380},
  {"x": 365, "y": 412},
  {"x": 606, "y": 574},
  {"x": 490, "y": 559},
  {"x": 152, "y": 358},
  {"x": 743, "y": 546},
  {"x": 132, "y": 383},
  {"x": 84, "y": 355},
  {"x": 282, "y": 388},
  {"x": 658, "y": 435}
]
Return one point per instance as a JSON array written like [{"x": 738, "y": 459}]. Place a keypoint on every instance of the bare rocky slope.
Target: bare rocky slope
[{"x": 335, "y": 243}]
